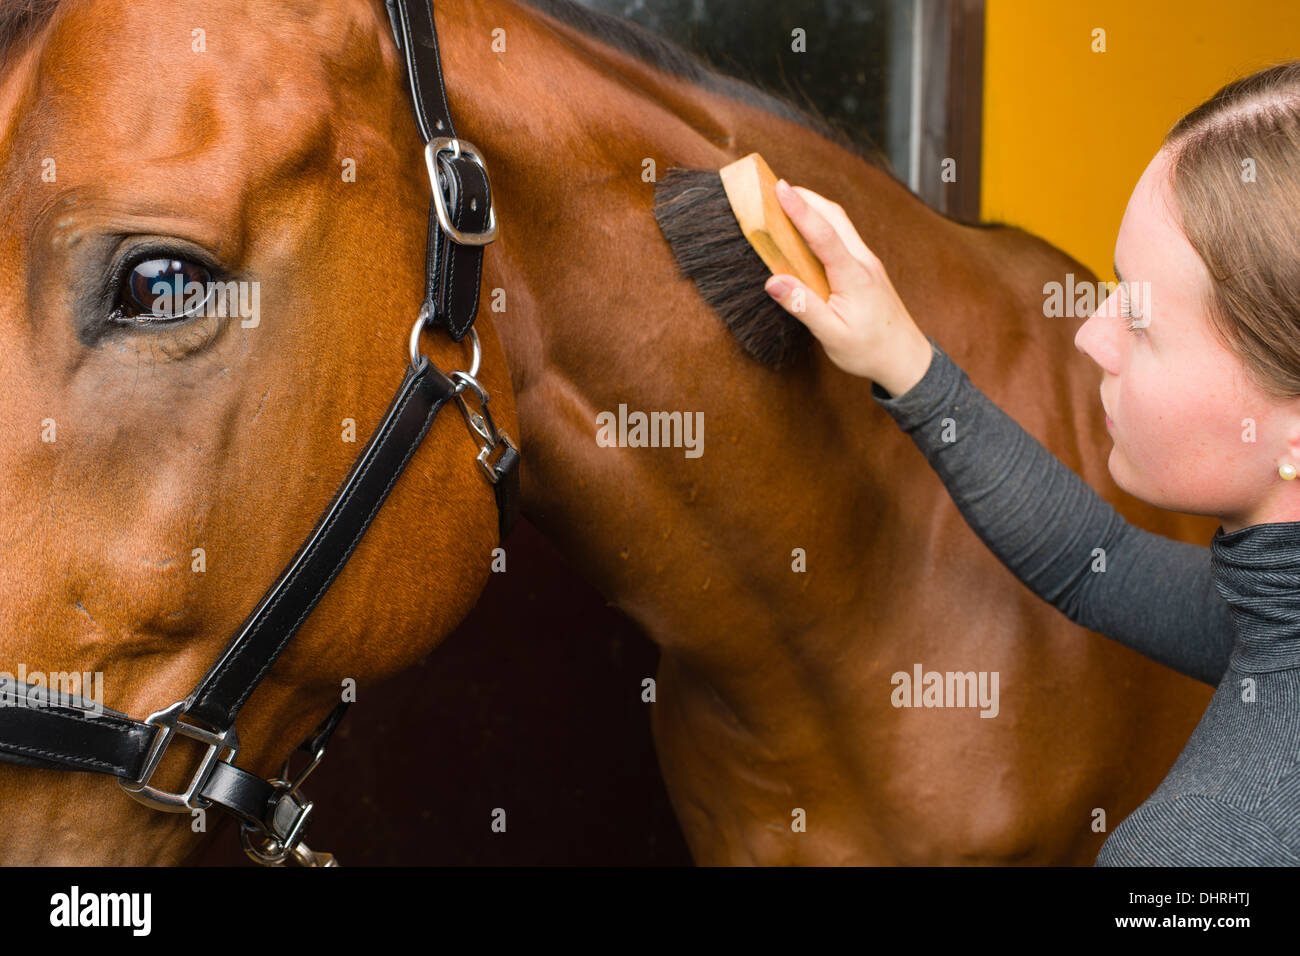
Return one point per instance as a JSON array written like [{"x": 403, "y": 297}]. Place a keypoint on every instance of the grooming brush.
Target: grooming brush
[
  {"x": 750, "y": 185},
  {"x": 729, "y": 234}
]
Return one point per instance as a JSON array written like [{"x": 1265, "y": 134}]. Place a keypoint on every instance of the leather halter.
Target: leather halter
[{"x": 71, "y": 734}]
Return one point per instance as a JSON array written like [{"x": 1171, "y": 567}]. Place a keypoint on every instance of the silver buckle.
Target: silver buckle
[
  {"x": 481, "y": 424},
  {"x": 222, "y": 747},
  {"x": 482, "y": 427},
  {"x": 270, "y": 853},
  {"x": 292, "y": 810},
  {"x": 289, "y": 817},
  {"x": 457, "y": 147}
]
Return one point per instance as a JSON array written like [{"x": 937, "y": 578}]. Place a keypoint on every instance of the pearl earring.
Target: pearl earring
[{"x": 1287, "y": 471}]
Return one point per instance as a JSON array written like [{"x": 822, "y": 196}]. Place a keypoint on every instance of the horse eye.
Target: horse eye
[{"x": 162, "y": 290}]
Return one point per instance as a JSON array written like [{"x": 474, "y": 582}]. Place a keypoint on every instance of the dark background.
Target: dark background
[
  {"x": 843, "y": 75},
  {"x": 534, "y": 705}
]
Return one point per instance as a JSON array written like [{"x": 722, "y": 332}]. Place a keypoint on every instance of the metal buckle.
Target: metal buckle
[
  {"x": 222, "y": 747},
  {"x": 485, "y": 453},
  {"x": 274, "y": 850},
  {"x": 306, "y": 771},
  {"x": 288, "y": 819},
  {"x": 270, "y": 852},
  {"x": 482, "y": 424},
  {"x": 457, "y": 147}
]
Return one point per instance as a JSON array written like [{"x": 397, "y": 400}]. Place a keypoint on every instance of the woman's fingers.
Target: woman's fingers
[
  {"x": 804, "y": 304},
  {"x": 844, "y": 272},
  {"x": 839, "y": 220},
  {"x": 864, "y": 325}
]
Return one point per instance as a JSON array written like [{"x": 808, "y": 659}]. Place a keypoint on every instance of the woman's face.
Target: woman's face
[{"x": 1181, "y": 405}]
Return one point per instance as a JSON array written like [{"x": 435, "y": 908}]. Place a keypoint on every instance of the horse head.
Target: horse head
[{"x": 164, "y": 459}]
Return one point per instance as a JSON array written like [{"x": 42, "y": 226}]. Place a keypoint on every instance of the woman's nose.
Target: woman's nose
[{"x": 1097, "y": 337}]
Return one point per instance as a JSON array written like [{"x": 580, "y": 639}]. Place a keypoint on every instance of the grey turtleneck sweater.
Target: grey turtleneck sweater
[{"x": 1228, "y": 615}]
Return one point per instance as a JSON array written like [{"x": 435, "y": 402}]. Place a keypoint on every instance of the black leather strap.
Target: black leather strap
[
  {"x": 69, "y": 733},
  {"x": 453, "y": 272},
  {"x": 63, "y": 736},
  {"x": 265, "y": 808},
  {"x": 507, "y": 491},
  {"x": 284, "y": 608},
  {"x": 451, "y": 295},
  {"x": 73, "y": 736},
  {"x": 244, "y": 794},
  {"x": 320, "y": 737}
]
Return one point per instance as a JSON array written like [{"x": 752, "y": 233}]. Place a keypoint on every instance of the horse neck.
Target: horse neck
[
  {"x": 567, "y": 122},
  {"x": 595, "y": 311}
]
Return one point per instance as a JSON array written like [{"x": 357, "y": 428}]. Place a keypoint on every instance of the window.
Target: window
[{"x": 905, "y": 75}]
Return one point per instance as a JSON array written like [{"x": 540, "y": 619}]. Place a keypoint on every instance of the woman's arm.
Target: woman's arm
[
  {"x": 1155, "y": 595},
  {"x": 1042, "y": 520}
]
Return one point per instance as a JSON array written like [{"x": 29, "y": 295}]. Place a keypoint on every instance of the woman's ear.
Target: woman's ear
[{"x": 1291, "y": 455}]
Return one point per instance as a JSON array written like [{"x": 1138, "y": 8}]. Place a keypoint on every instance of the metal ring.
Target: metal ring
[
  {"x": 415, "y": 338},
  {"x": 418, "y": 327},
  {"x": 270, "y": 853},
  {"x": 478, "y": 353}
]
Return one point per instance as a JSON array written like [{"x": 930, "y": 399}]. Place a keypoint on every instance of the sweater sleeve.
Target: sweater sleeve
[
  {"x": 1196, "y": 830},
  {"x": 1148, "y": 592}
]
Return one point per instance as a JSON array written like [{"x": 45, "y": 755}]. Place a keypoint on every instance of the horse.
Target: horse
[
  {"x": 158, "y": 475},
  {"x": 771, "y": 708}
]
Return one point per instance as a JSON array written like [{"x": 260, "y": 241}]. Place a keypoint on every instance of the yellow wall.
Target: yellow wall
[{"x": 1067, "y": 132}]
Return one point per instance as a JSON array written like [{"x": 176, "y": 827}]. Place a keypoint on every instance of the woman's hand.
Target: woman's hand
[{"x": 864, "y": 327}]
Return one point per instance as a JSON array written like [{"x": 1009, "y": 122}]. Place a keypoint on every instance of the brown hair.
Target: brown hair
[{"x": 1246, "y": 232}]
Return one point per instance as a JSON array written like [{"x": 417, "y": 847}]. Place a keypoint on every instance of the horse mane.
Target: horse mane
[
  {"x": 17, "y": 17},
  {"x": 691, "y": 206},
  {"x": 663, "y": 54}
]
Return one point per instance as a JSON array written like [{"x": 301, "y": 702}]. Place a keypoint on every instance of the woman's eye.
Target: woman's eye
[{"x": 163, "y": 289}]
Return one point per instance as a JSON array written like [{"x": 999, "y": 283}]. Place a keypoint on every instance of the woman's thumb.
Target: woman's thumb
[
  {"x": 779, "y": 287},
  {"x": 797, "y": 299}
]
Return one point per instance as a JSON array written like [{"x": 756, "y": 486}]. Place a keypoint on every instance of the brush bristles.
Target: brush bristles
[{"x": 695, "y": 217}]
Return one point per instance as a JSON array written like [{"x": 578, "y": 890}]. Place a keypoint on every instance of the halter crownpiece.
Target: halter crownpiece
[{"x": 74, "y": 735}]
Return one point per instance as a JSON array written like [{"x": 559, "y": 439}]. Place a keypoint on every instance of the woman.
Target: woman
[{"x": 1201, "y": 388}]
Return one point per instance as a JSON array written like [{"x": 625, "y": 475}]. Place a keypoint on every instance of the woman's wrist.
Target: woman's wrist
[{"x": 914, "y": 354}]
